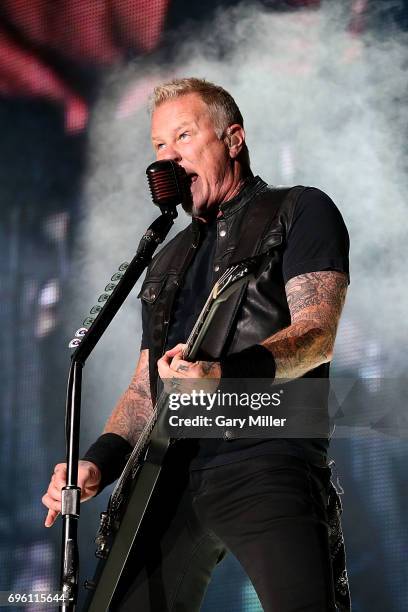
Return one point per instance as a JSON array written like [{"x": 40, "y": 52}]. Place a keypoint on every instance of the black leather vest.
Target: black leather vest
[{"x": 256, "y": 221}]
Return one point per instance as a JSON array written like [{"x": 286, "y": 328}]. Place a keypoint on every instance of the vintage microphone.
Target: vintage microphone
[
  {"x": 169, "y": 188},
  {"x": 168, "y": 184}
]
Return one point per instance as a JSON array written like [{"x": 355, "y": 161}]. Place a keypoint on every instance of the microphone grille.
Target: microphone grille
[{"x": 166, "y": 181}]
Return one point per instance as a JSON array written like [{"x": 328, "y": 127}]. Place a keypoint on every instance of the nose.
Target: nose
[{"x": 169, "y": 152}]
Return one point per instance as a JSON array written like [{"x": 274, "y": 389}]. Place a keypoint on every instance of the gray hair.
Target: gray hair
[{"x": 221, "y": 105}]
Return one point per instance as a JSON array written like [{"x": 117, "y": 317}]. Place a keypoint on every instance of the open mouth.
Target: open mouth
[{"x": 193, "y": 178}]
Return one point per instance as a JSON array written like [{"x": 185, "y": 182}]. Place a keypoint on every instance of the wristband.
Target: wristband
[
  {"x": 110, "y": 453},
  {"x": 253, "y": 362}
]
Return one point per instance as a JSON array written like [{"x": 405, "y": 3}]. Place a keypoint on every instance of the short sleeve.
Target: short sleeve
[{"x": 317, "y": 239}]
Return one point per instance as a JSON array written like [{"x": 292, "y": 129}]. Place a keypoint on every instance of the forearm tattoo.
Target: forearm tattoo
[
  {"x": 315, "y": 302},
  {"x": 208, "y": 368},
  {"x": 135, "y": 405}
]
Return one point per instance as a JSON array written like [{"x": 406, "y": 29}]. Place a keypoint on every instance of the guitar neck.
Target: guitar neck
[
  {"x": 193, "y": 341},
  {"x": 205, "y": 317},
  {"x": 124, "y": 516},
  {"x": 228, "y": 283}
]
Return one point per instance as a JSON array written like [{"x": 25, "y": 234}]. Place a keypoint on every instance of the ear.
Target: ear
[{"x": 235, "y": 139}]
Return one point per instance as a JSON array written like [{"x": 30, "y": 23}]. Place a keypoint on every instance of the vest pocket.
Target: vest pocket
[{"x": 152, "y": 288}]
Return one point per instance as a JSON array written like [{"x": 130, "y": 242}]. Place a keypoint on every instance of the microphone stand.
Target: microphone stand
[{"x": 70, "y": 499}]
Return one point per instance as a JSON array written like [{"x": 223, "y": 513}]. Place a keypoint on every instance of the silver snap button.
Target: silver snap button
[
  {"x": 223, "y": 233},
  {"x": 153, "y": 296},
  {"x": 216, "y": 268}
]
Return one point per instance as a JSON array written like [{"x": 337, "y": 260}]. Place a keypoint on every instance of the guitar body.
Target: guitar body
[{"x": 120, "y": 542}]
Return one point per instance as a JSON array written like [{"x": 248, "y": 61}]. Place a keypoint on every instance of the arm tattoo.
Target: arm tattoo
[
  {"x": 134, "y": 406},
  {"x": 208, "y": 367},
  {"x": 183, "y": 368},
  {"x": 315, "y": 302}
]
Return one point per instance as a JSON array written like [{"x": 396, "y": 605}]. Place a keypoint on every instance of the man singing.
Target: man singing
[{"x": 262, "y": 499}]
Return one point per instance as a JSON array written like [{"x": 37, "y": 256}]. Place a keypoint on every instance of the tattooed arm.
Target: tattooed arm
[
  {"x": 134, "y": 406},
  {"x": 127, "y": 420},
  {"x": 315, "y": 302}
]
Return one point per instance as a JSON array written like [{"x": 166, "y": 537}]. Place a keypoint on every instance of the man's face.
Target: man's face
[{"x": 183, "y": 131}]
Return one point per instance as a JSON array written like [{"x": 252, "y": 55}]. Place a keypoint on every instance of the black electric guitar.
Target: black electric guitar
[{"x": 127, "y": 505}]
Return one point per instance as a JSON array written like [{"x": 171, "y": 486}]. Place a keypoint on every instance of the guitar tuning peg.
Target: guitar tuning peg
[
  {"x": 88, "y": 322},
  {"x": 123, "y": 266},
  {"x": 110, "y": 287},
  {"x": 116, "y": 277},
  {"x": 74, "y": 343},
  {"x": 103, "y": 297},
  {"x": 95, "y": 309},
  {"x": 80, "y": 333}
]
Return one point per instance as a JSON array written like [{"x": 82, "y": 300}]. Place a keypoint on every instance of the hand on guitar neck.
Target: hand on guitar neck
[{"x": 180, "y": 376}]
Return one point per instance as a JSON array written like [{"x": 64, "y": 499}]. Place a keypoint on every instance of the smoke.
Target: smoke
[{"x": 322, "y": 108}]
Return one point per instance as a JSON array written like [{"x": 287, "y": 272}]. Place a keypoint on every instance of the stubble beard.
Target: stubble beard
[
  {"x": 189, "y": 207},
  {"x": 192, "y": 210}
]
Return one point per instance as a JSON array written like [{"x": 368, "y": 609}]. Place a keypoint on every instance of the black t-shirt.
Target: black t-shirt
[
  {"x": 196, "y": 287},
  {"x": 317, "y": 240}
]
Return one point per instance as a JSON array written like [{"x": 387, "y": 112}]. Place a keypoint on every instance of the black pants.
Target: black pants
[{"x": 269, "y": 511}]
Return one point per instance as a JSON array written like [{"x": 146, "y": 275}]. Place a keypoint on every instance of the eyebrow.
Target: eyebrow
[{"x": 177, "y": 129}]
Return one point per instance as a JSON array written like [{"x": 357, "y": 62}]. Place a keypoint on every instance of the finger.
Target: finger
[
  {"x": 57, "y": 482},
  {"x": 176, "y": 349},
  {"x": 50, "y": 518},
  {"x": 180, "y": 366},
  {"x": 60, "y": 467},
  {"x": 164, "y": 369},
  {"x": 59, "y": 477},
  {"x": 51, "y": 503},
  {"x": 54, "y": 493},
  {"x": 164, "y": 360}
]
